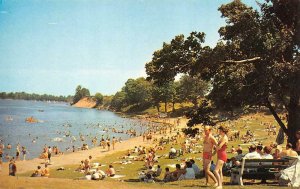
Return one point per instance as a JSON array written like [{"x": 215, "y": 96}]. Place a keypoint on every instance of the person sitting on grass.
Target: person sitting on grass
[
  {"x": 172, "y": 153},
  {"x": 111, "y": 171},
  {"x": 88, "y": 176},
  {"x": 189, "y": 171},
  {"x": 46, "y": 171},
  {"x": 37, "y": 173},
  {"x": 168, "y": 175},
  {"x": 158, "y": 171},
  {"x": 196, "y": 168},
  {"x": 212, "y": 166},
  {"x": 98, "y": 175},
  {"x": 178, "y": 172},
  {"x": 81, "y": 166}
]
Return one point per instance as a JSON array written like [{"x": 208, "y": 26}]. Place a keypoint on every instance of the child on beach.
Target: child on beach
[
  {"x": 12, "y": 167},
  {"x": 111, "y": 171}
]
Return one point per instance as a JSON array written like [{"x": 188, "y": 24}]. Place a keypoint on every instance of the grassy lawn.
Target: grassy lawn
[{"x": 255, "y": 123}]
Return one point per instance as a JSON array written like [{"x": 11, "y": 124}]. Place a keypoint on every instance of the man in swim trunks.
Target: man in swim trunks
[{"x": 208, "y": 145}]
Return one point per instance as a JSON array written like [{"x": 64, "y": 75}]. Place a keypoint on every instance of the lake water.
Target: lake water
[{"x": 58, "y": 125}]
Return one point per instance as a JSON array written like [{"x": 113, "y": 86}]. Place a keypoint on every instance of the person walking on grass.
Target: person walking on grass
[
  {"x": 208, "y": 145},
  {"x": 221, "y": 154}
]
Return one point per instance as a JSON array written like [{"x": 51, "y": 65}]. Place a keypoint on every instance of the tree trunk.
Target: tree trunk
[
  {"x": 293, "y": 118},
  {"x": 166, "y": 104},
  {"x": 157, "y": 107},
  {"x": 194, "y": 101},
  {"x": 173, "y": 106},
  {"x": 275, "y": 115}
]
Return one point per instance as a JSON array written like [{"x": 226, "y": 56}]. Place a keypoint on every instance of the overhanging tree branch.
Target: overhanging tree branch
[{"x": 242, "y": 61}]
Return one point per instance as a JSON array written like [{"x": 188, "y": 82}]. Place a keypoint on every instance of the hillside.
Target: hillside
[{"x": 86, "y": 102}]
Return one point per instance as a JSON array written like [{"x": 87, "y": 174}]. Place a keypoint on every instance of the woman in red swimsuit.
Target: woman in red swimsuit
[{"x": 221, "y": 154}]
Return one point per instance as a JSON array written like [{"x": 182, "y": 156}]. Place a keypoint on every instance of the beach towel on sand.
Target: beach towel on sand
[{"x": 117, "y": 176}]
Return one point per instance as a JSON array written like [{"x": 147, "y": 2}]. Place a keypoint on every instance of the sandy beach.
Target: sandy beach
[{"x": 76, "y": 157}]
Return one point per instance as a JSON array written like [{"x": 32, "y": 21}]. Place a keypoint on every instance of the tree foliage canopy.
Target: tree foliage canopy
[
  {"x": 26, "y": 96},
  {"x": 99, "y": 98},
  {"x": 256, "y": 59},
  {"x": 80, "y": 93}
]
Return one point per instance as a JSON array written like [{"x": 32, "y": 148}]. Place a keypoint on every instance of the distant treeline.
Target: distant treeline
[{"x": 33, "y": 96}]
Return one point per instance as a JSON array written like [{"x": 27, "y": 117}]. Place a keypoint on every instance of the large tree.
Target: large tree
[
  {"x": 138, "y": 91},
  {"x": 164, "y": 93},
  {"x": 80, "y": 93},
  {"x": 118, "y": 100},
  {"x": 191, "y": 89},
  {"x": 99, "y": 98},
  {"x": 255, "y": 61}
]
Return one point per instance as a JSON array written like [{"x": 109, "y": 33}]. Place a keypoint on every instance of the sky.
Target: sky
[{"x": 52, "y": 46}]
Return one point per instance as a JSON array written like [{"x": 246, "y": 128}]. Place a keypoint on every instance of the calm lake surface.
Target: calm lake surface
[{"x": 58, "y": 125}]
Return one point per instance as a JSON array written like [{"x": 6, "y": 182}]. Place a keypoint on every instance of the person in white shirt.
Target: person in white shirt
[
  {"x": 195, "y": 167},
  {"x": 111, "y": 171},
  {"x": 98, "y": 174},
  {"x": 253, "y": 154},
  {"x": 190, "y": 173},
  {"x": 88, "y": 176},
  {"x": 267, "y": 153},
  {"x": 172, "y": 152}
]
